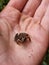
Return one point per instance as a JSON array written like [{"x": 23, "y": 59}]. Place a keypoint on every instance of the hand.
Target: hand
[{"x": 32, "y": 19}]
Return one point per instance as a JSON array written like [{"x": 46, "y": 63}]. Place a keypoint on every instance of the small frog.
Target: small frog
[{"x": 22, "y": 37}]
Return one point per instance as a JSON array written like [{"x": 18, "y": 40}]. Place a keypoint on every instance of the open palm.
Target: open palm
[{"x": 32, "y": 20}]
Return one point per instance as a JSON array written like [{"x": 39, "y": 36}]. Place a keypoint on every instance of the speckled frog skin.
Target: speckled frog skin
[{"x": 22, "y": 37}]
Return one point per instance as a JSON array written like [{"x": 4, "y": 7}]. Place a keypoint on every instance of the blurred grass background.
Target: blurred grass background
[
  {"x": 3, "y": 3},
  {"x": 46, "y": 59}
]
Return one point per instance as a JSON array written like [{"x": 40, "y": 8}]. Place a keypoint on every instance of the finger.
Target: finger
[
  {"x": 18, "y": 4},
  {"x": 31, "y": 6},
  {"x": 10, "y": 13},
  {"x": 45, "y": 20},
  {"x": 41, "y": 10}
]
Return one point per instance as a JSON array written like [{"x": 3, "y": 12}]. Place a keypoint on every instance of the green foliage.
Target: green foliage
[
  {"x": 46, "y": 59},
  {"x": 3, "y": 3}
]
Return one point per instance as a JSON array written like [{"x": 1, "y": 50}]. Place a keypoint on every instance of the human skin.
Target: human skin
[{"x": 31, "y": 17}]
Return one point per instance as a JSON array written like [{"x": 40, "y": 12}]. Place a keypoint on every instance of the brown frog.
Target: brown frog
[{"x": 22, "y": 38}]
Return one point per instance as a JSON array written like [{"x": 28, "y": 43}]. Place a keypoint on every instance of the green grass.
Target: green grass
[
  {"x": 46, "y": 59},
  {"x": 3, "y": 3}
]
